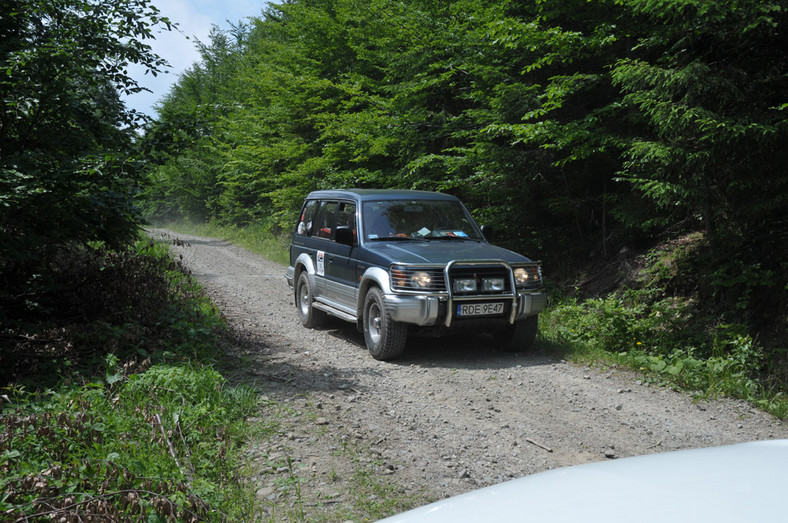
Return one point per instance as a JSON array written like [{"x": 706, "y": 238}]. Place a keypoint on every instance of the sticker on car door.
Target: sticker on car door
[{"x": 321, "y": 263}]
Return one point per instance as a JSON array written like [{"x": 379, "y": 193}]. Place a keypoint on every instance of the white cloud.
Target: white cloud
[{"x": 195, "y": 18}]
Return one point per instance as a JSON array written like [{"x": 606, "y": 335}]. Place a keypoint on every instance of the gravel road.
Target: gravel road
[{"x": 451, "y": 416}]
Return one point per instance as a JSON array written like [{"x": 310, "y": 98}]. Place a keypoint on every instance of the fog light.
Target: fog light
[
  {"x": 492, "y": 284},
  {"x": 464, "y": 285}
]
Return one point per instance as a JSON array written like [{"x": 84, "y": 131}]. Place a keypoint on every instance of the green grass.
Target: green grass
[{"x": 155, "y": 444}]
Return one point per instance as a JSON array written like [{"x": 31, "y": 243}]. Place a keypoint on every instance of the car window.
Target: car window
[
  {"x": 346, "y": 217},
  {"x": 325, "y": 219},
  {"x": 306, "y": 221},
  {"x": 417, "y": 219}
]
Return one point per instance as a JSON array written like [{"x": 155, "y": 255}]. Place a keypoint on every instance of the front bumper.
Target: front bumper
[
  {"x": 427, "y": 311},
  {"x": 530, "y": 304},
  {"x": 416, "y": 310}
]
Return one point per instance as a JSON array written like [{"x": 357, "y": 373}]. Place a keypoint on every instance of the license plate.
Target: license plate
[{"x": 479, "y": 309}]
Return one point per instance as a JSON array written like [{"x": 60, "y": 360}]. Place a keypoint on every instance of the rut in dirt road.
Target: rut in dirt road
[{"x": 452, "y": 414}]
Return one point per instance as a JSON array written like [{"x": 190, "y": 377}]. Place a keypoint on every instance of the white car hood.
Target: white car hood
[{"x": 746, "y": 482}]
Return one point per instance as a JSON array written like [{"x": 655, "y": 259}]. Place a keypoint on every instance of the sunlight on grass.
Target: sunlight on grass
[{"x": 255, "y": 238}]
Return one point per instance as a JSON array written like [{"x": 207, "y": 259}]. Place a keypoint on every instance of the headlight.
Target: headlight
[
  {"x": 406, "y": 278},
  {"x": 464, "y": 285},
  {"x": 527, "y": 275},
  {"x": 493, "y": 285},
  {"x": 421, "y": 279}
]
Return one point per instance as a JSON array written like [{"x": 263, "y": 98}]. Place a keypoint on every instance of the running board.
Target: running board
[{"x": 333, "y": 311}]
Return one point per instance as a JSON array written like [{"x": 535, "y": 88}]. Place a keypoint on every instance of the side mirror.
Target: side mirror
[
  {"x": 344, "y": 236},
  {"x": 488, "y": 232}
]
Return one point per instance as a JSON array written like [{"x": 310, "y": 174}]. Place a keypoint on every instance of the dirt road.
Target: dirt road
[{"x": 451, "y": 416}]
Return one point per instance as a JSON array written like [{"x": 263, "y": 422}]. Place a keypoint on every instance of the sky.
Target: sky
[{"x": 195, "y": 19}]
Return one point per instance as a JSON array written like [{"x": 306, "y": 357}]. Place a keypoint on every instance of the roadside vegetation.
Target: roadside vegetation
[
  {"x": 670, "y": 344},
  {"x": 636, "y": 147},
  {"x": 116, "y": 409}
]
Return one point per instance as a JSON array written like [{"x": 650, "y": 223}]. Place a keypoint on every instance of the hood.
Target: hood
[
  {"x": 441, "y": 251},
  {"x": 744, "y": 482}
]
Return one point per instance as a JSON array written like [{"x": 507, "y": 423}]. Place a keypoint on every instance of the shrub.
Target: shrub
[
  {"x": 160, "y": 444},
  {"x": 136, "y": 303},
  {"x": 664, "y": 338}
]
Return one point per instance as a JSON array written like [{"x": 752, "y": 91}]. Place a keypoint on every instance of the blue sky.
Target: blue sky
[{"x": 195, "y": 19}]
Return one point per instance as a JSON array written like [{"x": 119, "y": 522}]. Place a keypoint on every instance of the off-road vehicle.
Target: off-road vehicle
[{"x": 395, "y": 262}]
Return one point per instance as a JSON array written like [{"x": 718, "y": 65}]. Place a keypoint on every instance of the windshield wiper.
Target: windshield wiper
[
  {"x": 397, "y": 239},
  {"x": 463, "y": 238}
]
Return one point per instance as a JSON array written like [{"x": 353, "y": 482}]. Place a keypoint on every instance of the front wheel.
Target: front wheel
[
  {"x": 384, "y": 337},
  {"x": 520, "y": 336},
  {"x": 310, "y": 317}
]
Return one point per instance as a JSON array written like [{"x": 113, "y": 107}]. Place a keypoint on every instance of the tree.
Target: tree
[
  {"x": 575, "y": 127},
  {"x": 67, "y": 172},
  {"x": 707, "y": 86}
]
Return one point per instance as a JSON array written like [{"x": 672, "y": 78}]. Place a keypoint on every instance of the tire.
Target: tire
[
  {"x": 520, "y": 336},
  {"x": 384, "y": 337},
  {"x": 311, "y": 318}
]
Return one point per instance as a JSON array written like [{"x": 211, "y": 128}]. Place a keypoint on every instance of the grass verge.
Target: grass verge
[
  {"x": 664, "y": 339},
  {"x": 114, "y": 410}
]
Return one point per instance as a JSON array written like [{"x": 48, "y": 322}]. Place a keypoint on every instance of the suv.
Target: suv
[{"x": 395, "y": 261}]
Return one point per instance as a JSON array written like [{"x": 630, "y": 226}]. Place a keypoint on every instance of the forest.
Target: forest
[
  {"x": 584, "y": 132},
  {"x": 637, "y": 147}
]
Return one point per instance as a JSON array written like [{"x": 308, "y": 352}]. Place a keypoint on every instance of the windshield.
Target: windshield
[{"x": 418, "y": 220}]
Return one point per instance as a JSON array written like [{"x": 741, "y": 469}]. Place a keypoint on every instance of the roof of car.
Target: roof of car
[{"x": 379, "y": 194}]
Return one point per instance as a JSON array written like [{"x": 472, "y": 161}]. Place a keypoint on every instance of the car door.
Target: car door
[
  {"x": 321, "y": 240},
  {"x": 340, "y": 267}
]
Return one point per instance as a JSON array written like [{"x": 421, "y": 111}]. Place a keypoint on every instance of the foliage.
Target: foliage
[
  {"x": 634, "y": 320},
  {"x": 136, "y": 304},
  {"x": 159, "y": 445},
  {"x": 67, "y": 170}
]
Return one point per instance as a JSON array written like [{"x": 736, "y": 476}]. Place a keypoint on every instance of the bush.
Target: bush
[
  {"x": 136, "y": 303},
  {"x": 665, "y": 339},
  {"x": 109, "y": 411}
]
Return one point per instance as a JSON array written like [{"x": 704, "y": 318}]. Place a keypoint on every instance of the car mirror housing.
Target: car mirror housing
[
  {"x": 488, "y": 232},
  {"x": 344, "y": 236}
]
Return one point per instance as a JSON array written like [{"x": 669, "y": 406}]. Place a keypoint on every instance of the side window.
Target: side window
[
  {"x": 347, "y": 217},
  {"x": 325, "y": 220},
  {"x": 306, "y": 221}
]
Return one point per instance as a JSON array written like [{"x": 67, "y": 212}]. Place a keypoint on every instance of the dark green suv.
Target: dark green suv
[{"x": 398, "y": 261}]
